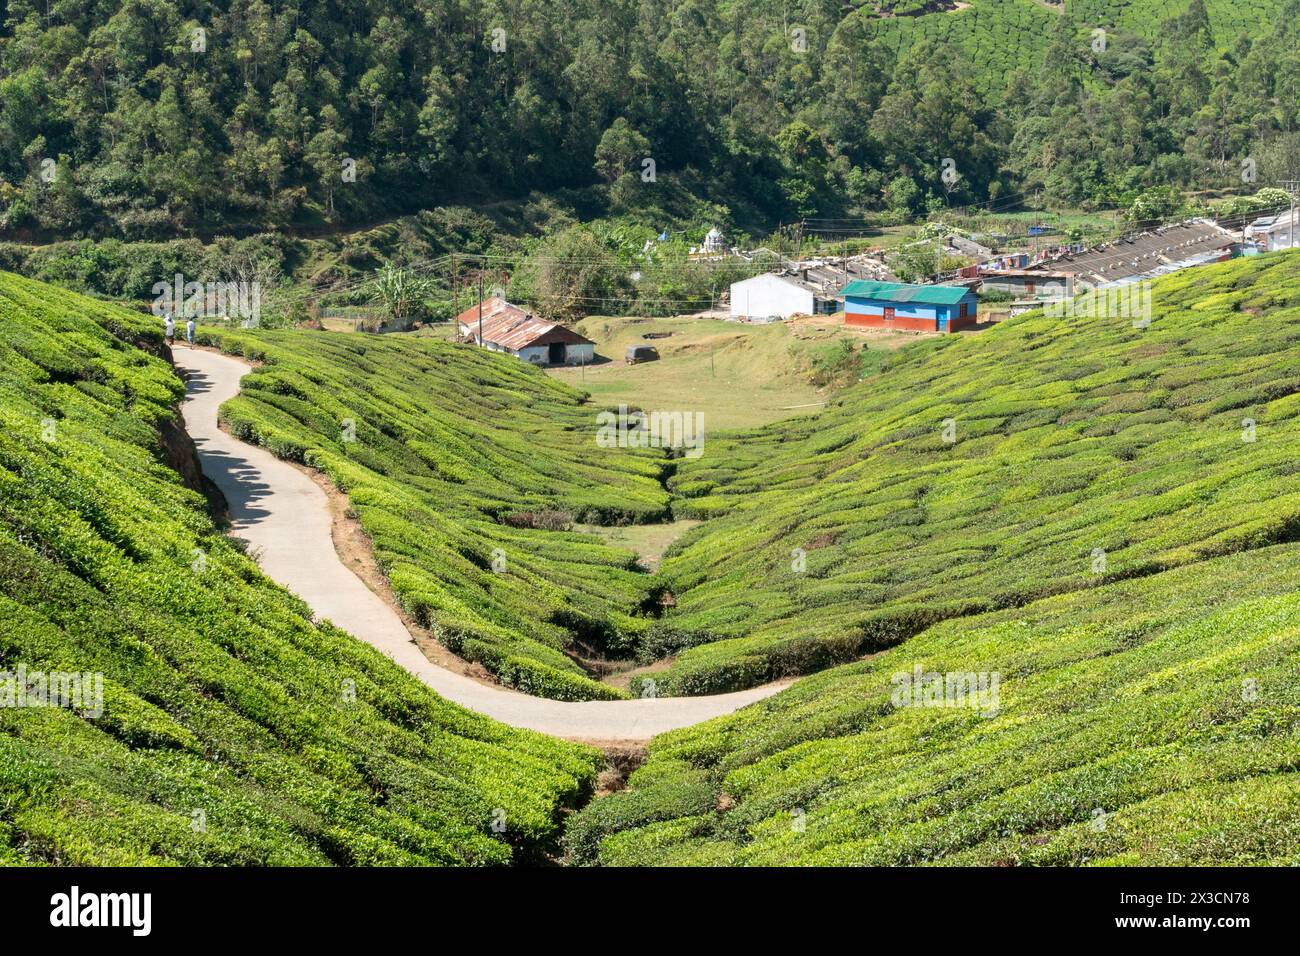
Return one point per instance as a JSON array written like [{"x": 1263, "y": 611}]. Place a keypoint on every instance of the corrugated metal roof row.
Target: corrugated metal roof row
[{"x": 1139, "y": 255}]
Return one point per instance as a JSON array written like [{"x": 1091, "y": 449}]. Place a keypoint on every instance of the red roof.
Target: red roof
[
  {"x": 491, "y": 307},
  {"x": 510, "y": 327}
]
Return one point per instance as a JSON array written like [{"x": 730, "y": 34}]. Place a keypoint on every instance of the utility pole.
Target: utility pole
[
  {"x": 1292, "y": 186},
  {"x": 480, "y": 308}
]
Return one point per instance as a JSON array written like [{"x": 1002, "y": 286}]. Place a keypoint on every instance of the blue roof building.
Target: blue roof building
[{"x": 917, "y": 308}]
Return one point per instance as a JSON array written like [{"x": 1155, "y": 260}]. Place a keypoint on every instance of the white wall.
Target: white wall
[
  {"x": 1043, "y": 288},
  {"x": 767, "y": 295},
  {"x": 573, "y": 354},
  {"x": 1279, "y": 237},
  {"x": 579, "y": 354}
]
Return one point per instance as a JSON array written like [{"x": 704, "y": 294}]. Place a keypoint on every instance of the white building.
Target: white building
[
  {"x": 811, "y": 287},
  {"x": 1272, "y": 233},
  {"x": 508, "y": 328},
  {"x": 771, "y": 295}
]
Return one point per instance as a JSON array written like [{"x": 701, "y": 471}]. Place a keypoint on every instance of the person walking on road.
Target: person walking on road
[
  {"x": 189, "y": 332},
  {"x": 169, "y": 329}
]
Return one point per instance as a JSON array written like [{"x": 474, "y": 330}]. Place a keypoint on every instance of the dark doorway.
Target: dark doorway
[{"x": 555, "y": 353}]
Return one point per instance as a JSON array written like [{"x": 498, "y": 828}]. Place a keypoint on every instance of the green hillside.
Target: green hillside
[
  {"x": 153, "y": 119},
  {"x": 466, "y": 470},
  {"x": 1147, "y": 722},
  {"x": 995, "y": 36},
  {"x": 1000, "y": 36},
  {"x": 1228, "y": 18},
  {"x": 1147, "y": 708},
  {"x": 1085, "y": 450},
  {"x": 234, "y": 730}
]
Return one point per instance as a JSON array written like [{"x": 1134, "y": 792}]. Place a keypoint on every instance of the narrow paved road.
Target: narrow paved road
[{"x": 283, "y": 514}]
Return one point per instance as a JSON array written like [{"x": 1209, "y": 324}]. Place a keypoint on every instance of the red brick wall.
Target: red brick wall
[
  {"x": 914, "y": 324},
  {"x": 957, "y": 323},
  {"x": 911, "y": 323}
]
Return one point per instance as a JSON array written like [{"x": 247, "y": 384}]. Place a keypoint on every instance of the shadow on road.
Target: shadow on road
[{"x": 236, "y": 476}]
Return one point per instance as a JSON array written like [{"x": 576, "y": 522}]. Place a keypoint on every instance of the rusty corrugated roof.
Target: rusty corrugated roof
[
  {"x": 492, "y": 307},
  {"x": 510, "y": 327}
]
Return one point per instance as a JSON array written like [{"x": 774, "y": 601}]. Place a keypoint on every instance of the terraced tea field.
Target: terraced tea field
[
  {"x": 999, "y": 37},
  {"x": 466, "y": 469},
  {"x": 234, "y": 730},
  {"x": 1083, "y": 451},
  {"x": 1147, "y": 722},
  {"x": 1228, "y": 18},
  {"x": 1101, "y": 515}
]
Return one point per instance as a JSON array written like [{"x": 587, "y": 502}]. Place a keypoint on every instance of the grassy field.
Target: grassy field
[
  {"x": 1082, "y": 450},
  {"x": 467, "y": 469},
  {"x": 737, "y": 375},
  {"x": 233, "y": 731},
  {"x": 647, "y": 541}
]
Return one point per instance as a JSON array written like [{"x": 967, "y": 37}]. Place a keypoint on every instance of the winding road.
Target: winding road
[{"x": 283, "y": 514}]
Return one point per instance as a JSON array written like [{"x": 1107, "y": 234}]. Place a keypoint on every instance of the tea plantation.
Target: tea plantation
[
  {"x": 999, "y": 37},
  {"x": 1045, "y": 455},
  {"x": 1101, "y": 514},
  {"x": 465, "y": 469},
  {"x": 1148, "y": 722},
  {"x": 234, "y": 730},
  {"x": 1228, "y": 18},
  {"x": 996, "y": 36}
]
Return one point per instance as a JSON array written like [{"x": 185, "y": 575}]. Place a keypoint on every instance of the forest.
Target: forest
[{"x": 157, "y": 119}]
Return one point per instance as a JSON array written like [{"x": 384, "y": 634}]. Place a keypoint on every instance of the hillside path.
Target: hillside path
[{"x": 285, "y": 516}]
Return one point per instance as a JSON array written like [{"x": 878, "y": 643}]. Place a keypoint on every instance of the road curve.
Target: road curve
[{"x": 284, "y": 515}]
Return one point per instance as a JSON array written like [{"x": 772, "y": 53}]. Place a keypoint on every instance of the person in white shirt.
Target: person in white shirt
[
  {"x": 189, "y": 332},
  {"x": 169, "y": 329}
]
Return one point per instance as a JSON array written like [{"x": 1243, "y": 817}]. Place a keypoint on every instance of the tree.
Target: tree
[
  {"x": 915, "y": 261},
  {"x": 1157, "y": 205},
  {"x": 806, "y": 161},
  {"x": 619, "y": 149},
  {"x": 572, "y": 273},
  {"x": 325, "y": 154},
  {"x": 405, "y": 295}
]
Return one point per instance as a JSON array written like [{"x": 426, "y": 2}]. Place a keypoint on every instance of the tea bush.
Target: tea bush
[
  {"x": 234, "y": 731},
  {"x": 465, "y": 468},
  {"x": 1084, "y": 451},
  {"x": 1145, "y": 722}
]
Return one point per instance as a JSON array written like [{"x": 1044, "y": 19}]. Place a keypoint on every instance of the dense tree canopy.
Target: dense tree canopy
[{"x": 151, "y": 118}]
